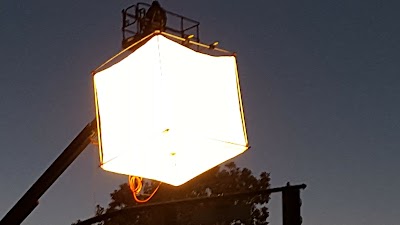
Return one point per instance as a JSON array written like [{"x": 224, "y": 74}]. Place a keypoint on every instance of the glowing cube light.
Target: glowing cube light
[{"x": 168, "y": 113}]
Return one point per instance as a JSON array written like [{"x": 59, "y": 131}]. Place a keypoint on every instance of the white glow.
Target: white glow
[{"x": 169, "y": 113}]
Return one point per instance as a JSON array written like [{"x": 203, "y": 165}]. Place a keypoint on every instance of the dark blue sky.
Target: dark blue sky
[{"x": 320, "y": 82}]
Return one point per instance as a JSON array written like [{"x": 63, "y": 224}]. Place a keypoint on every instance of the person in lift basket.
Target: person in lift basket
[{"x": 154, "y": 19}]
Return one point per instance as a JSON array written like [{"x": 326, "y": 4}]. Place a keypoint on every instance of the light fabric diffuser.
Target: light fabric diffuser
[{"x": 168, "y": 113}]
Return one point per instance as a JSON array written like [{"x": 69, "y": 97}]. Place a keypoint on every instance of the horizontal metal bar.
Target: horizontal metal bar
[
  {"x": 134, "y": 209},
  {"x": 171, "y": 13}
]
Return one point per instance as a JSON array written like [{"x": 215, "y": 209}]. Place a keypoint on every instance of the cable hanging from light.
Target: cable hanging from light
[{"x": 136, "y": 185}]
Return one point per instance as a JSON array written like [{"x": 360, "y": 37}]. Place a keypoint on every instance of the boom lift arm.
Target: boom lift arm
[{"x": 30, "y": 199}]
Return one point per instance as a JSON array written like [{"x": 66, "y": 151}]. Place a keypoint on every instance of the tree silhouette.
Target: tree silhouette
[{"x": 219, "y": 180}]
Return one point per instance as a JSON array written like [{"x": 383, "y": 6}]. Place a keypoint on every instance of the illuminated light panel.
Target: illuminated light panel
[{"x": 168, "y": 113}]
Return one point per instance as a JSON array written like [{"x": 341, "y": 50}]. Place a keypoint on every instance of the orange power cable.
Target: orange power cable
[{"x": 136, "y": 185}]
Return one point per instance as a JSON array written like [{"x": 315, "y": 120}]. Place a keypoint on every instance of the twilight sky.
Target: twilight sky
[{"x": 320, "y": 84}]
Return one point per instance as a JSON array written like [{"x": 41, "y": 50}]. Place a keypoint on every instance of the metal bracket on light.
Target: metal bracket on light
[
  {"x": 187, "y": 39},
  {"x": 213, "y": 45}
]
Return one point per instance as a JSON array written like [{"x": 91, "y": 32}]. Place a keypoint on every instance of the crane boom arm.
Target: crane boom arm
[{"x": 30, "y": 199}]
